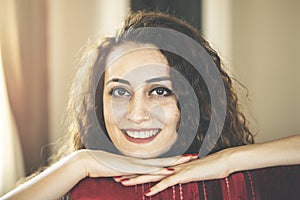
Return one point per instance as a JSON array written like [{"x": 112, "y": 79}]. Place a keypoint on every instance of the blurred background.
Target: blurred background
[{"x": 258, "y": 41}]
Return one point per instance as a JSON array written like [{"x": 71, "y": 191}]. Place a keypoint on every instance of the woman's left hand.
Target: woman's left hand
[
  {"x": 219, "y": 165},
  {"x": 211, "y": 167}
]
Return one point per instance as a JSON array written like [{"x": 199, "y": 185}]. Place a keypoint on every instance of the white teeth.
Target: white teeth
[
  {"x": 151, "y": 132},
  {"x": 142, "y": 134}
]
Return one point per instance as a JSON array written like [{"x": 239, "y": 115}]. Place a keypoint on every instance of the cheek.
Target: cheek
[
  {"x": 113, "y": 112},
  {"x": 106, "y": 109},
  {"x": 171, "y": 114}
]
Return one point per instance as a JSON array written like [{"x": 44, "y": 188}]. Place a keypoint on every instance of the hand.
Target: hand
[
  {"x": 103, "y": 164},
  {"x": 211, "y": 167}
]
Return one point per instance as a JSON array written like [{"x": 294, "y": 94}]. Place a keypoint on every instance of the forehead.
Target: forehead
[{"x": 135, "y": 62}]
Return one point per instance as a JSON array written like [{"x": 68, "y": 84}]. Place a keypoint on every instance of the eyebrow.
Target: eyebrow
[
  {"x": 164, "y": 78},
  {"x": 158, "y": 79},
  {"x": 118, "y": 80}
]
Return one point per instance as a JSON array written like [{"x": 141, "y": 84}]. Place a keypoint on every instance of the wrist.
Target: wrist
[
  {"x": 230, "y": 155},
  {"x": 242, "y": 157},
  {"x": 79, "y": 162}
]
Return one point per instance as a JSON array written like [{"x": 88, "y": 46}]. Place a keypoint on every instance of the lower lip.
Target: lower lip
[{"x": 140, "y": 140}]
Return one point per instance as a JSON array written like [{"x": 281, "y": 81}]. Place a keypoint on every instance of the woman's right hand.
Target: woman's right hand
[
  {"x": 58, "y": 179},
  {"x": 104, "y": 164}
]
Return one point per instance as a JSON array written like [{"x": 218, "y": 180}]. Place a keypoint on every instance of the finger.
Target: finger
[
  {"x": 185, "y": 158},
  {"x": 142, "y": 179},
  {"x": 158, "y": 162},
  {"x": 125, "y": 177},
  {"x": 162, "y": 185},
  {"x": 163, "y": 171},
  {"x": 170, "y": 161},
  {"x": 133, "y": 168}
]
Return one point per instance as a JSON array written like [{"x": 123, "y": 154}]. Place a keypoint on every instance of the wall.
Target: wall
[
  {"x": 259, "y": 39},
  {"x": 266, "y": 57}
]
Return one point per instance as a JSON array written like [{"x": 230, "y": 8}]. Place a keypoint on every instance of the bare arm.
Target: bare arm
[
  {"x": 53, "y": 182},
  {"x": 58, "y": 179},
  {"x": 285, "y": 151}
]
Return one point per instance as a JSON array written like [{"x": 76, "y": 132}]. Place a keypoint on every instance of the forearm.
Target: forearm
[
  {"x": 284, "y": 151},
  {"x": 52, "y": 183}
]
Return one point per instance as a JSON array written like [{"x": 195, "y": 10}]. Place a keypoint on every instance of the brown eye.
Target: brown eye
[
  {"x": 119, "y": 92},
  {"x": 160, "y": 91}
]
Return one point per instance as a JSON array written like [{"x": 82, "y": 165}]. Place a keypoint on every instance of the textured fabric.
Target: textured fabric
[
  {"x": 268, "y": 183},
  {"x": 106, "y": 188}
]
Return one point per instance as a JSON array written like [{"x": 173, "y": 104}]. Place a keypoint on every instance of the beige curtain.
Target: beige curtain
[
  {"x": 24, "y": 91},
  {"x": 11, "y": 159}
]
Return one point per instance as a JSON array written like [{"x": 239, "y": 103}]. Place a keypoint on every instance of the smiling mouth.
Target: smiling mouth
[{"x": 141, "y": 135}]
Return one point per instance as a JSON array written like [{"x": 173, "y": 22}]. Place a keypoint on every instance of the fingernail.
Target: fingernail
[
  {"x": 148, "y": 191},
  {"x": 187, "y": 155},
  {"x": 170, "y": 169},
  {"x": 117, "y": 176},
  {"x": 195, "y": 154},
  {"x": 125, "y": 179}
]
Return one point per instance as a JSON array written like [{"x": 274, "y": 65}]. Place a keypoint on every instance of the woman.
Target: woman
[{"x": 143, "y": 98}]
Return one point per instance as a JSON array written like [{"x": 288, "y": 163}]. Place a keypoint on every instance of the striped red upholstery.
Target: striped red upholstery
[{"x": 268, "y": 183}]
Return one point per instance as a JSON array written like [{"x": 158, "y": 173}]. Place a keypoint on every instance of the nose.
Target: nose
[{"x": 138, "y": 109}]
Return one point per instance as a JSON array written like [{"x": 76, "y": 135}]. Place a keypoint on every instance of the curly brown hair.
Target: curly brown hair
[{"x": 87, "y": 88}]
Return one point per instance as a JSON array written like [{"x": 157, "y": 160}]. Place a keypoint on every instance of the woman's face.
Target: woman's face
[{"x": 140, "y": 109}]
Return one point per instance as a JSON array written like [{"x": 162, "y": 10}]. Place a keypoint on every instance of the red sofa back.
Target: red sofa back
[{"x": 282, "y": 183}]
